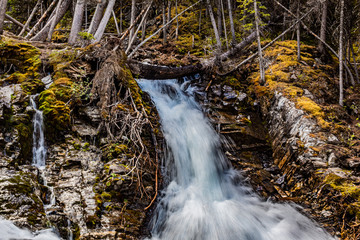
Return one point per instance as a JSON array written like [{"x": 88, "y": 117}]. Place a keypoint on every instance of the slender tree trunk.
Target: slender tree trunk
[
  {"x": 168, "y": 16},
  {"x": 177, "y": 21},
  {"x": 43, "y": 34},
  {"x": 41, "y": 20},
  {"x": 132, "y": 17},
  {"x": 95, "y": 21},
  {"x": 213, "y": 22},
  {"x": 116, "y": 24},
  {"x": 156, "y": 32},
  {"x": 225, "y": 31},
  {"x": 298, "y": 37},
  {"x": 232, "y": 26},
  {"x": 54, "y": 22},
  {"x": 341, "y": 54},
  {"x": 143, "y": 30},
  {"x": 261, "y": 63},
  {"x": 164, "y": 22},
  {"x": 355, "y": 63},
  {"x": 323, "y": 26},
  {"x": 3, "y": 6},
  {"x": 219, "y": 18},
  {"x": 200, "y": 15},
  {"x": 26, "y": 25},
  {"x": 101, "y": 29},
  {"x": 121, "y": 18},
  {"x": 77, "y": 21},
  {"x": 15, "y": 21},
  {"x": 131, "y": 41}
]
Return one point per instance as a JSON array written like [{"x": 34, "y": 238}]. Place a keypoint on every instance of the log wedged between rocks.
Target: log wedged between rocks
[
  {"x": 152, "y": 72},
  {"x": 157, "y": 72}
]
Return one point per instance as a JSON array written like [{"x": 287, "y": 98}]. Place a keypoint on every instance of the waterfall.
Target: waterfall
[
  {"x": 205, "y": 198},
  {"x": 39, "y": 150}
]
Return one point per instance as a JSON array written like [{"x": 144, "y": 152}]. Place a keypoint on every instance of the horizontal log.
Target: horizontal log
[{"x": 149, "y": 71}]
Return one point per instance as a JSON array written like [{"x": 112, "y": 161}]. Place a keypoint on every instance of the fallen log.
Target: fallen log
[
  {"x": 16, "y": 22},
  {"x": 153, "y": 72}
]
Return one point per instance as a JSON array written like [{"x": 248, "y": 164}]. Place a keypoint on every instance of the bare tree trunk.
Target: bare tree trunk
[
  {"x": 121, "y": 18},
  {"x": 131, "y": 41},
  {"x": 261, "y": 63},
  {"x": 95, "y": 21},
  {"x": 298, "y": 37},
  {"x": 101, "y": 29},
  {"x": 323, "y": 26},
  {"x": 132, "y": 17},
  {"x": 43, "y": 34},
  {"x": 225, "y": 31},
  {"x": 213, "y": 22},
  {"x": 341, "y": 55},
  {"x": 43, "y": 17},
  {"x": 232, "y": 27},
  {"x": 164, "y": 22},
  {"x": 3, "y": 5},
  {"x": 77, "y": 21},
  {"x": 15, "y": 21},
  {"x": 219, "y": 18},
  {"x": 143, "y": 30},
  {"x": 168, "y": 15},
  {"x": 116, "y": 23},
  {"x": 53, "y": 21},
  {"x": 355, "y": 63},
  {"x": 26, "y": 25},
  {"x": 155, "y": 33},
  {"x": 177, "y": 21},
  {"x": 200, "y": 15}
]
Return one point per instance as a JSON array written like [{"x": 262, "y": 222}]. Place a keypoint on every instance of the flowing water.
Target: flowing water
[
  {"x": 205, "y": 198},
  {"x": 39, "y": 150}
]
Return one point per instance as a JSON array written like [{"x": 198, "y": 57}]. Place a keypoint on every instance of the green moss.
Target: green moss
[{"x": 344, "y": 186}]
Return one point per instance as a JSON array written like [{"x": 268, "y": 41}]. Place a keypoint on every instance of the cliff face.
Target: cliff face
[
  {"x": 290, "y": 137},
  {"x": 101, "y": 140}
]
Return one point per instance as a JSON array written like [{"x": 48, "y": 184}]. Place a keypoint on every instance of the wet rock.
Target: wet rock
[{"x": 353, "y": 162}]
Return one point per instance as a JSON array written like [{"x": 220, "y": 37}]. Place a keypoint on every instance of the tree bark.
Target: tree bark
[
  {"x": 149, "y": 71},
  {"x": 323, "y": 26},
  {"x": 261, "y": 62},
  {"x": 213, "y": 22},
  {"x": 26, "y": 25},
  {"x": 298, "y": 37},
  {"x": 15, "y": 21},
  {"x": 341, "y": 55},
  {"x": 150, "y": 37},
  {"x": 164, "y": 22},
  {"x": 177, "y": 21},
  {"x": 132, "y": 17},
  {"x": 116, "y": 23},
  {"x": 225, "y": 31},
  {"x": 42, "y": 18},
  {"x": 232, "y": 26},
  {"x": 219, "y": 18},
  {"x": 53, "y": 22},
  {"x": 318, "y": 38},
  {"x": 77, "y": 21},
  {"x": 101, "y": 29},
  {"x": 3, "y": 6},
  {"x": 43, "y": 34},
  {"x": 95, "y": 21},
  {"x": 131, "y": 41}
]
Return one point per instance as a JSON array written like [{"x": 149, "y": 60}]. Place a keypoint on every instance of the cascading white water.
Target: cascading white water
[
  {"x": 205, "y": 199},
  {"x": 39, "y": 150}
]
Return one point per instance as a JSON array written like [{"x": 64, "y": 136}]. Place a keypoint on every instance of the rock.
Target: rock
[
  {"x": 332, "y": 160},
  {"x": 353, "y": 162},
  {"x": 47, "y": 81}
]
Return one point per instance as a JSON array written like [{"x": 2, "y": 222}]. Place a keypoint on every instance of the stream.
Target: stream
[{"x": 205, "y": 198}]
